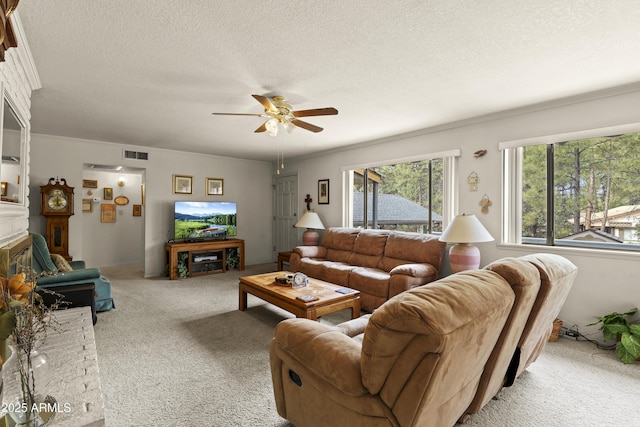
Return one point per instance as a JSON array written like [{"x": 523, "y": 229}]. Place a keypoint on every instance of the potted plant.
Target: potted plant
[{"x": 617, "y": 326}]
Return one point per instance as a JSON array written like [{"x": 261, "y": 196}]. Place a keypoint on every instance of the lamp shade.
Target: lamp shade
[
  {"x": 310, "y": 220},
  {"x": 466, "y": 229}
]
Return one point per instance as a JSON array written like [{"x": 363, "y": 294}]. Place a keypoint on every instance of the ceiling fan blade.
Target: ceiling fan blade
[
  {"x": 307, "y": 126},
  {"x": 266, "y": 103},
  {"x": 316, "y": 112},
  {"x": 236, "y": 114},
  {"x": 262, "y": 128}
]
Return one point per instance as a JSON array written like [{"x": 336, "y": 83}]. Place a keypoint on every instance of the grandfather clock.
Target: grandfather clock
[{"x": 57, "y": 207}]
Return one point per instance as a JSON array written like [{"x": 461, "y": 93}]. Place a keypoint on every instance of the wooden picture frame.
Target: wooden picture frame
[
  {"x": 87, "y": 205},
  {"x": 107, "y": 193},
  {"x": 137, "y": 210},
  {"x": 182, "y": 184},
  {"x": 107, "y": 212},
  {"x": 323, "y": 191},
  {"x": 215, "y": 186},
  {"x": 89, "y": 183}
]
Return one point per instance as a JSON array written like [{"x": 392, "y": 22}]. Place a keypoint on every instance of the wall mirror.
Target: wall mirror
[{"x": 12, "y": 145}]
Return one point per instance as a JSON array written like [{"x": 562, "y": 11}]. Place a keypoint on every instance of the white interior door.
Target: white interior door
[{"x": 286, "y": 213}]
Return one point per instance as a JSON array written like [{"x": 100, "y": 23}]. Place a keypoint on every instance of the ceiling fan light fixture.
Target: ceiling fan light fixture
[
  {"x": 288, "y": 126},
  {"x": 272, "y": 127}
]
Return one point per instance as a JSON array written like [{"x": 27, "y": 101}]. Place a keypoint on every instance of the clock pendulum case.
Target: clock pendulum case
[{"x": 57, "y": 207}]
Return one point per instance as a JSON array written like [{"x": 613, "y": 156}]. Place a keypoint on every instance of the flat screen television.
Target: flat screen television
[{"x": 204, "y": 220}]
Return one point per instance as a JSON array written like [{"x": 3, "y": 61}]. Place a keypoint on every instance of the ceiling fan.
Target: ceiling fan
[{"x": 278, "y": 110}]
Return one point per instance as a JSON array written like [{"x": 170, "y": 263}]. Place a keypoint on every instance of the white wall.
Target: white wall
[
  {"x": 128, "y": 247},
  {"x": 246, "y": 182},
  {"x": 607, "y": 281}
]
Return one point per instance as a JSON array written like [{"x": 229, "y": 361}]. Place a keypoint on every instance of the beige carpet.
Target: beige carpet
[{"x": 179, "y": 353}]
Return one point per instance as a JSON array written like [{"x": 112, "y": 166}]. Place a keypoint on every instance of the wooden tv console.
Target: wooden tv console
[{"x": 204, "y": 257}]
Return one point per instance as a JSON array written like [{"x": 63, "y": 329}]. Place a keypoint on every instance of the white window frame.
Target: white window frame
[
  {"x": 511, "y": 233},
  {"x": 450, "y": 184}
]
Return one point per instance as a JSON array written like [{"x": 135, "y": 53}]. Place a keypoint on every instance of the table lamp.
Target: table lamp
[
  {"x": 311, "y": 221},
  {"x": 464, "y": 230}
]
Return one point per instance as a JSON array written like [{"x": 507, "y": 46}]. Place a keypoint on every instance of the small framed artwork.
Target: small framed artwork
[
  {"x": 215, "y": 186},
  {"x": 182, "y": 184},
  {"x": 87, "y": 205},
  {"x": 89, "y": 183},
  {"x": 137, "y": 210},
  {"x": 108, "y": 212},
  {"x": 323, "y": 191},
  {"x": 108, "y": 193}
]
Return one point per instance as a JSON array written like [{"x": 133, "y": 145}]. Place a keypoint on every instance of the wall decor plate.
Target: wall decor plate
[{"x": 121, "y": 200}]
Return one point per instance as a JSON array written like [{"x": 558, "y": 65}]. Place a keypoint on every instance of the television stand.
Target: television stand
[{"x": 206, "y": 257}]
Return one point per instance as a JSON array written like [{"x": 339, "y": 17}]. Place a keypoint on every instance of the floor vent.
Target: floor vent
[{"x": 136, "y": 155}]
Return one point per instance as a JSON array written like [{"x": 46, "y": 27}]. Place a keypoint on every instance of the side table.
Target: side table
[{"x": 282, "y": 258}]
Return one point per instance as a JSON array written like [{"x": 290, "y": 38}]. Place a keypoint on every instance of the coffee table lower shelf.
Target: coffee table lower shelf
[{"x": 329, "y": 301}]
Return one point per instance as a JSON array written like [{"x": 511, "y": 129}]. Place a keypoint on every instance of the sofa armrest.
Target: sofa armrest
[
  {"x": 311, "y": 251},
  {"x": 415, "y": 270},
  {"x": 88, "y": 274},
  {"x": 326, "y": 352}
]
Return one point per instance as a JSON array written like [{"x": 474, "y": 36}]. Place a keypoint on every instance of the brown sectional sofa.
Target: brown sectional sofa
[{"x": 378, "y": 263}]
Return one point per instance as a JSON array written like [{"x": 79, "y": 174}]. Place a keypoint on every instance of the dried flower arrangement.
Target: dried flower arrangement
[{"x": 24, "y": 322}]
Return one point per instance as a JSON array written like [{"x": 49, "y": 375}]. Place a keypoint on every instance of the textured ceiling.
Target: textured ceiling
[{"x": 151, "y": 72}]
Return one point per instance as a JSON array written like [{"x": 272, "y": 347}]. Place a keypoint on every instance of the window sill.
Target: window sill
[{"x": 563, "y": 250}]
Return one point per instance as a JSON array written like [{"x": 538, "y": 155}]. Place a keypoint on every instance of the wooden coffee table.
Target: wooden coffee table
[{"x": 264, "y": 287}]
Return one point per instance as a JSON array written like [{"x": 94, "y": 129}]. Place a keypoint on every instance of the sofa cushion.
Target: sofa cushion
[
  {"x": 341, "y": 239},
  {"x": 369, "y": 248},
  {"x": 338, "y": 255},
  {"x": 371, "y": 281},
  {"x": 336, "y": 272},
  {"x": 404, "y": 248}
]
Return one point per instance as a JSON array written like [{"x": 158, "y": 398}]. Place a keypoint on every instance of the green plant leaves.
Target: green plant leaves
[{"x": 628, "y": 349}]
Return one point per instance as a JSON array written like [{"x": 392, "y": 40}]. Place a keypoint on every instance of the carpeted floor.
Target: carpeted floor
[{"x": 179, "y": 353}]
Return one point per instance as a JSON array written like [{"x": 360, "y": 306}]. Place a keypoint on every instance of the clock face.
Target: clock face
[{"x": 57, "y": 200}]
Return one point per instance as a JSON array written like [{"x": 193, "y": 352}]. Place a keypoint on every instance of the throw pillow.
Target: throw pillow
[{"x": 60, "y": 262}]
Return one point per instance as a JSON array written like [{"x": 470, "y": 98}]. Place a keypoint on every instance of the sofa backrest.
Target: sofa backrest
[
  {"x": 339, "y": 243},
  {"x": 557, "y": 275},
  {"x": 404, "y": 248},
  {"x": 424, "y": 350},
  {"x": 369, "y": 248},
  {"x": 41, "y": 259},
  {"x": 524, "y": 280}
]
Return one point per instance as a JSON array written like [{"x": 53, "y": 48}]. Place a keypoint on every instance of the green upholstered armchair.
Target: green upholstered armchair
[{"x": 72, "y": 273}]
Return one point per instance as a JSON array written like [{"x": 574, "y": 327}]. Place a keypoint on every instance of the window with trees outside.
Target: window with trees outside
[
  {"x": 578, "y": 192},
  {"x": 405, "y": 196}
]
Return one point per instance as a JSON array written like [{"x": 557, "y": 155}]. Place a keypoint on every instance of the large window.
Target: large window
[
  {"x": 578, "y": 192},
  {"x": 405, "y": 196}
]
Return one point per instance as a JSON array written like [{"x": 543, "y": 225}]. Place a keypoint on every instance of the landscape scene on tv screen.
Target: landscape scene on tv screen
[{"x": 204, "y": 220}]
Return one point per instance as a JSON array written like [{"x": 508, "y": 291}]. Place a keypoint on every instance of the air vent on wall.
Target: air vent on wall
[{"x": 128, "y": 154}]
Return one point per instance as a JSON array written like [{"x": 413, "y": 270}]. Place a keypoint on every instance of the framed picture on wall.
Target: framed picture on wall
[
  {"x": 137, "y": 210},
  {"x": 108, "y": 212},
  {"x": 182, "y": 184},
  {"x": 215, "y": 187},
  {"x": 108, "y": 193},
  {"x": 87, "y": 205},
  {"x": 89, "y": 183},
  {"x": 323, "y": 191}
]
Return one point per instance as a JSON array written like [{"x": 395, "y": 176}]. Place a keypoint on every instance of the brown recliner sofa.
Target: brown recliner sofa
[
  {"x": 541, "y": 283},
  {"x": 378, "y": 263},
  {"x": 418, "y": 364}
]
